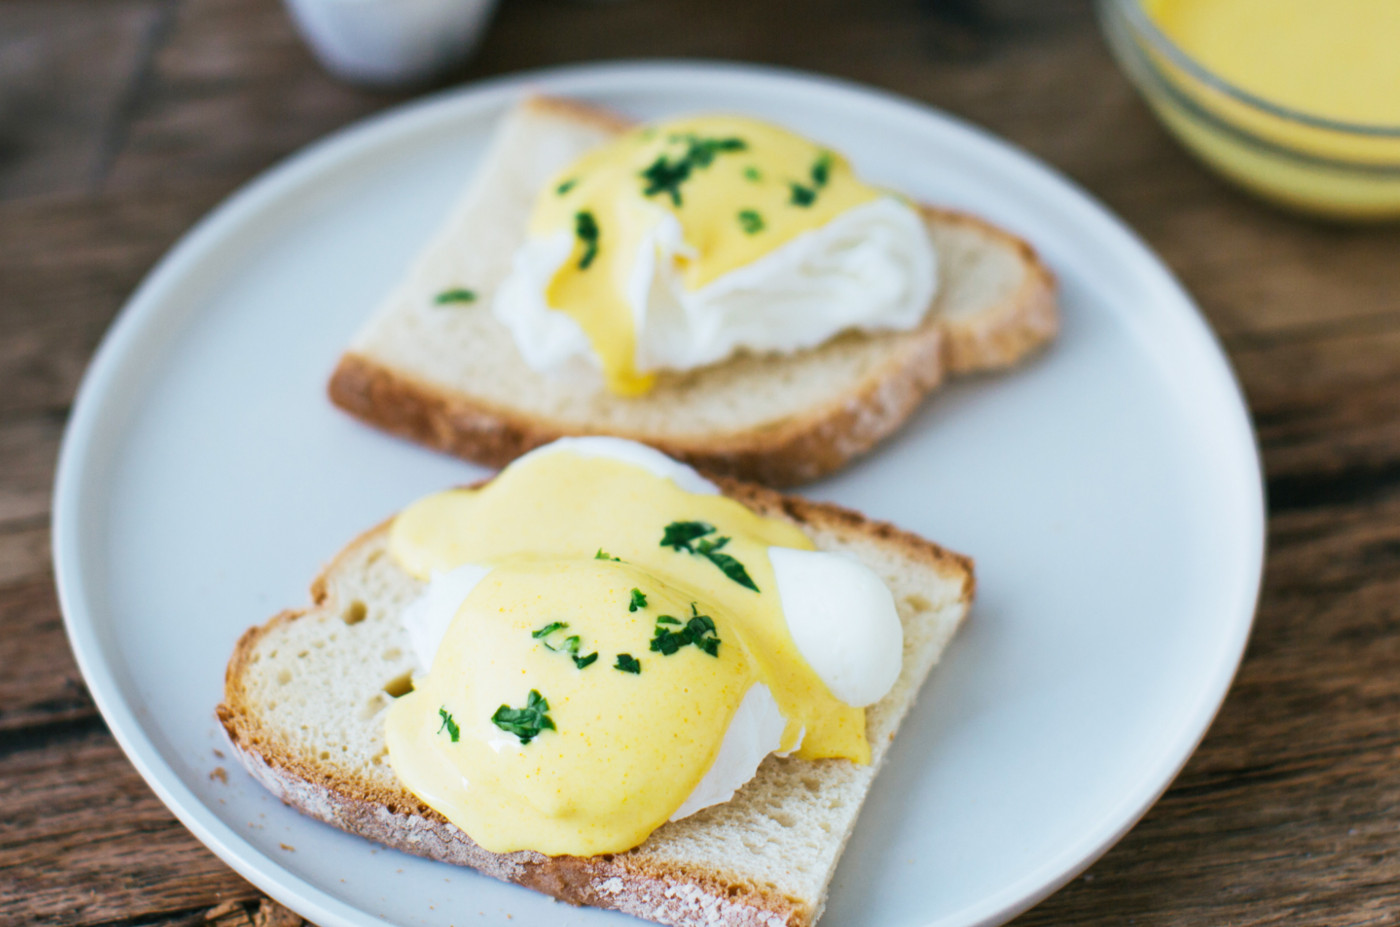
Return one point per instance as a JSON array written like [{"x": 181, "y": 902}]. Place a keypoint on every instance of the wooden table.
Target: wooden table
[{"x": 123, "y": 121}]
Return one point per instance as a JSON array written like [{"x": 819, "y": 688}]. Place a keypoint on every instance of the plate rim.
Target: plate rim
[{"x": 344, "y": 145}]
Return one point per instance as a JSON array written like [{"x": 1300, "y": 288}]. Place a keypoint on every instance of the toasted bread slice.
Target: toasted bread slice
[
  {"x": 305, "y": 697},
  {"x": 450, "y": 376}
]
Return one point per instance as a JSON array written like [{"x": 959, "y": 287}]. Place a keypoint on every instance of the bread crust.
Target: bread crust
[
  {"x": 582, "y": 113},
  {"x": 396, "y": 818},
  {"x": 784, "y": 453},
  {"x": 1010, "y": 332}
]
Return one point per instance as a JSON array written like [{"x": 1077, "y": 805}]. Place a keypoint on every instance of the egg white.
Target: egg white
[
  {"x": 427, "y": 618},
  {"x": 839, "y": 612},
  {"x": 629, "y": 452},
  {"x": 843, "y": 619},
  {"x": 872, "y": 268}
]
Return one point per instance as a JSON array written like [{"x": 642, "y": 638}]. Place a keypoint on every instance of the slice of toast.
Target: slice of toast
[
  {"x": 305, "y": 697},
  {"x": 449, "y": 376}
]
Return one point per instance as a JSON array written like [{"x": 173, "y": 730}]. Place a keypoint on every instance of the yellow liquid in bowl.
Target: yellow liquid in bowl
[{"x": 1337, "y": 61}]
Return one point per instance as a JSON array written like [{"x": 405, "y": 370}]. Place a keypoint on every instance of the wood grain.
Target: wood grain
[
  {"x": 123, "y": 121},
  {"x": 58, "y": 120},
  {"x": 67, "y": 262}
]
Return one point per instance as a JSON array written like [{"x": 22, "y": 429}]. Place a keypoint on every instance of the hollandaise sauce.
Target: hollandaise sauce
[
  {"x": 738, "y": 188},
  {"x": 1338, "y": 59},
  {"x": 1326, "y": 138},
  {"x": 585, "y": 685}
]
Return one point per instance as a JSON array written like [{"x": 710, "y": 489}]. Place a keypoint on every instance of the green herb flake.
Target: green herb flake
[
  {"x": 698, "y": 631},
  {"x": 665, "y": 175},
  {"x": 679, "y": 534},
  {"x": 628, "y": 664},
  {"x": 525, "y": 723},
  {"x": 454, "y": 296},
  {"x": 604, "y": 555},
  {"x": 548, "y": 630},
  {"x": 448, "y": 724},
  {"x": 752, "y": 174},
  {"x": 666, "y": 642},
  {"x": 569, "y": 645},
  {"x": 700, "y": 152},
  {"x": 662, "y": 176},
  {"x": 586, "y": 228},
  {"x": 805, "y": 196},
  {"x": 639, "y": 600},
  {"x": 702, "y": 631},
  {"x": 683, "y": 535},
  {"x": 750, "y": 221},
  {"x": 566, "y": 186},
  {"x": 727, "y": 564}
]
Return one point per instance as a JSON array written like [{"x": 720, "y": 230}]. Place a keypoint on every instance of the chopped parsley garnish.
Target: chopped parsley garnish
[
  {"x": 566, "y": 186},
  {"x": 683, "y": 535},
  {"x": 525, "y": 723},
  {"x": 569, "y": 645},
  {"x": 821, "y": 173},
  {"x": 455, "y": 296},
  {"x": 548, "y": 630},
  {"x": 604, "y": 555},
  {"x": 699, "y": 630},
  {"x": 679, "y": 534},
  {"x": 727, "y": 564},
  {"x": 628, "y": 663},
  {"x": 667, "y": 642},
  {"x": 448, "y": 724},
  {"x": 750, "y": 221},
  {"x": 586, "y": 228},
  {"x": 666, "y": 176},
  {"x": 752, "y": 174},
  {"x": 639, "y": 600},
  {"x": 702, "y": 151}
]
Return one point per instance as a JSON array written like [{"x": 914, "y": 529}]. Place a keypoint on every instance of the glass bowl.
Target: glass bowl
[{"x": 1311, "y": 164}]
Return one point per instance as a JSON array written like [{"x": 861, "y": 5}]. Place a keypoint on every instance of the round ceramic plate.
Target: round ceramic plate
[{"x": 1109, "y": 491}]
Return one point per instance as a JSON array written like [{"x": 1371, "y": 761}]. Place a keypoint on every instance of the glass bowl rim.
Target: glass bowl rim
[{"x": 1139, "y": 20}]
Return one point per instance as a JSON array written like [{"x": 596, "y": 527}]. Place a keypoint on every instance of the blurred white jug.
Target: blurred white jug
[{"x": 391, "y": 42}]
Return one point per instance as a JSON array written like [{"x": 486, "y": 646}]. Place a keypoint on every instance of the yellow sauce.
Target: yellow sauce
[
  {"x": 626, "y": 749},
  {"x": 739, "y": 188},
  {"x": 1338, "y": 59},
  {"x": 1333, "y": 61}
]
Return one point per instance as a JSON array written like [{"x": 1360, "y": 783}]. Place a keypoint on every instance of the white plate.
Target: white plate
[{"x": 1110, "y": 492}]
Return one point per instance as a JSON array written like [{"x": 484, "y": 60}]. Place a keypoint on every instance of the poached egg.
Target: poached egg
[
  {"x": 588, "y": 674},
  {"x": 681, "y": 243}
]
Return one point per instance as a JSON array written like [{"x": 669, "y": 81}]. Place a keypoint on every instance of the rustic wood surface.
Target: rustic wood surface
[{"x": 123, "y": 121}]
